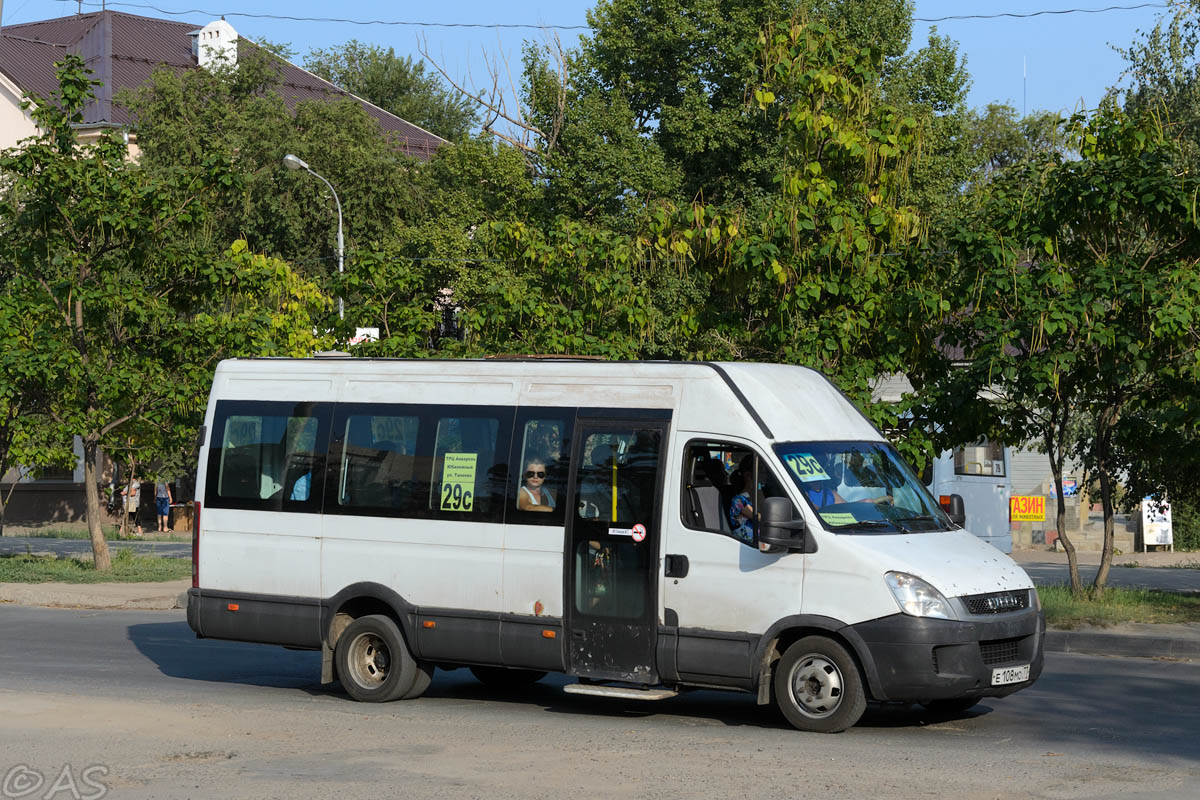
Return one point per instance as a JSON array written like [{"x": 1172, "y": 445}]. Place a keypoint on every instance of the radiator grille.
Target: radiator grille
[
  {"x": 1000, "y": 651},
  {"x": 997, "y": 602}
]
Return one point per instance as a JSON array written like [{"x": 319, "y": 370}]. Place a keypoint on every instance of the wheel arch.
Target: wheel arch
[
  {"x": 361, "y": 599},
  {"x": 781, "y": 635}
]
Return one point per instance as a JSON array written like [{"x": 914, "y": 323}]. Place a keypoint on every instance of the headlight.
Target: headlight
[{"x": 916, "y": 597}]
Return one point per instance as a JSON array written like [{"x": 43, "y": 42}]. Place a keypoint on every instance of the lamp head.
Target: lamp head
[{"x": 292, "y": 162}]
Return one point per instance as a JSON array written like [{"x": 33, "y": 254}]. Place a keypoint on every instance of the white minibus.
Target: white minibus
[{"x": 647, "y": 527}]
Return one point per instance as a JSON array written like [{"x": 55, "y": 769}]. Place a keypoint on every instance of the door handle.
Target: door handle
[{"x": 677, "y": 566}]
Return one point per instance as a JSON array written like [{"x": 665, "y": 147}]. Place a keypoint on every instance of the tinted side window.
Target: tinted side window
[
  {"x": 267, "y": 455},
  {"x": 421, "y": 461},
  {"x": 378, "y": 468},
  {"x": 542, "y": 453},
  {"x": 470, "y": 464}
]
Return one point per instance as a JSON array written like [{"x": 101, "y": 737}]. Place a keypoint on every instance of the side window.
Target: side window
[
  {"x": 617, "y": 473},
  {"x": 724, "y": 485},
  {"x": 470, "y": 465},
  {"x": 267, "y": 455},
  {"x": 542, "y": 447},
  {"x": 378, "y": 461}
]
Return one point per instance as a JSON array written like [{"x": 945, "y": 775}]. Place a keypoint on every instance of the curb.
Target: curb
[
  {"x": 1123, "y": 645},
  {"x": 141, "y": 597}
]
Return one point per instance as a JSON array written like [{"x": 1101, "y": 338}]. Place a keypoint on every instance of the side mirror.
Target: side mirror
[
  {"x": 778, "y": 528},
  {"x": 953, "y": 506}
]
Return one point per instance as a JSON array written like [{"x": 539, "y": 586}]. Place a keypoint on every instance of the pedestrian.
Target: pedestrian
[
  {"x": 132, "y": 495},
  {"x": 162, "y": 504}
]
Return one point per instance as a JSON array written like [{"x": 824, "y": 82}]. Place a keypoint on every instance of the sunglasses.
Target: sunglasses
[{"x": 535, "y": 474}]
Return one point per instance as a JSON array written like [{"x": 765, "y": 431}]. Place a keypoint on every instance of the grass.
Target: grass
[
  {"x": 126, "y": 568},
  {"x": 111, "y": 533},
  {"x": 1116, "y": 605},
  {"x": 1181, "y": 565}
]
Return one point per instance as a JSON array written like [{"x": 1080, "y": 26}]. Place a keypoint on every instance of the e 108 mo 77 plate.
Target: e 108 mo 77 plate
[{"x": 1010, "y": 675}]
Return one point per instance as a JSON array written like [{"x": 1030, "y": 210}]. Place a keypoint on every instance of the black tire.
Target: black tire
[
  {"x": 818, "y": 686},
  {"x": 373, "y": 661},
  {"x": 421, "y": 679},
  {"x": 504, "y": 678},
  {"x": 956, "y": 705}
]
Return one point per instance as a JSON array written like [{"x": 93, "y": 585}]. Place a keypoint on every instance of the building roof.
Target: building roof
[{"x": 123, "y": 50}]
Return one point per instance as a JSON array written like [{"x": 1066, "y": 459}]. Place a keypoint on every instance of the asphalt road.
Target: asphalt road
[{"x": 156, "y": 713}]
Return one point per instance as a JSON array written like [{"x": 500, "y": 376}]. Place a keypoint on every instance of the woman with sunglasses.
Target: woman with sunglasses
[{"x": 533, "y": 495}]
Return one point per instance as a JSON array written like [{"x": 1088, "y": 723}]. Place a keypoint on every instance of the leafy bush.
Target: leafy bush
[{"x": 1185, "y": 523}]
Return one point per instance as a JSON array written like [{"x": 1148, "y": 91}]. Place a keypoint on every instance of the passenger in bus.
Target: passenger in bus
[
  {"x": 534, "y": 496},
  {"x": 741, "y": 512}
]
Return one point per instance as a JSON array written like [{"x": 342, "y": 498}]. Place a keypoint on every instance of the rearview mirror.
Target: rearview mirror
[
  {"x": 778, "y": 528},
  {"x": 953, "y": 506}
]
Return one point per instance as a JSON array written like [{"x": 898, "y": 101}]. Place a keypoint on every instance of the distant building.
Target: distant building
[{"x": 123, "y": 50}]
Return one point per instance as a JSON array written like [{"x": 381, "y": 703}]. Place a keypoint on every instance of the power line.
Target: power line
[
  {"x": 1029, "y": 14},
  {"x": 510, "y": 25},
  {"x": 406, "y": 23}
]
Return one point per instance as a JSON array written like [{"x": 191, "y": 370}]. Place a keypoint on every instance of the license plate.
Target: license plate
[{"x": 1010, "y": 675}]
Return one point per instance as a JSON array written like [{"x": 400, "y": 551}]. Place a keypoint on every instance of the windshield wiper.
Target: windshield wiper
[
  {"x": 865, "y": 523},
  {"x": 917, "y": 518}
]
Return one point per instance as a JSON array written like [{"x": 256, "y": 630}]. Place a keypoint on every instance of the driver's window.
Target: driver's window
[{"x": 724, "y": 486}]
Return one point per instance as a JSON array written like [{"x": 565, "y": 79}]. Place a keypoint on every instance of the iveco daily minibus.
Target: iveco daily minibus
[{"x": 645, "y": 527}]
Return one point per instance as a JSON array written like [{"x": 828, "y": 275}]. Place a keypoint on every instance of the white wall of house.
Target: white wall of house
[{"x": 15, "y": 122}]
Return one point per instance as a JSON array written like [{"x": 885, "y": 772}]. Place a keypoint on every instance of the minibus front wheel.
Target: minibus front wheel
[
  {"x": 373, "y": 661},
  {"x": 818, "y": 686}
]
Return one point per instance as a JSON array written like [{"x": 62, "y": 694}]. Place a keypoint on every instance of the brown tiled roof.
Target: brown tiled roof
[{"x": 123, "y": 50}]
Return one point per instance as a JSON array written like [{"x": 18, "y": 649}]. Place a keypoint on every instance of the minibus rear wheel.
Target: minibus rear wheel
[
  {"x": 818, "y": 686},
  {"x": 373, "y": 661}
]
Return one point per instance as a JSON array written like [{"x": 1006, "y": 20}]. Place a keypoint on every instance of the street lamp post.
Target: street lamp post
[{"x": 292, "y": 162}]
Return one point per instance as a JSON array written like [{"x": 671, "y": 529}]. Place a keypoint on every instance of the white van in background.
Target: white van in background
[
  {"x": 644, "y": 526},
  {"x": 979, "y": 473}
]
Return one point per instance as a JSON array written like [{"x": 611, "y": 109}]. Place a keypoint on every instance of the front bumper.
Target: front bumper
[{"x": 917, "y": 659}]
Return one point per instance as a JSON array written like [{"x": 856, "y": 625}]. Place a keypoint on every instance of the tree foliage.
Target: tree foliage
[
  {"x": 396, "y": 84},
  {"x": 1076, "y": 288},
  {"x": 140, "y": 312}
]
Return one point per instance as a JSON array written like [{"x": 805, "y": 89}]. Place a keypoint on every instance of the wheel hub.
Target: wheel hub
[
  {"x": 816, "y": 686},
  {"x": 370, "y": 659}
]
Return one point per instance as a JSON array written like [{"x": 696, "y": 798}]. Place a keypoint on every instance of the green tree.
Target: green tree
[
  {"x": 820, "y": 273},
  {"x": 397, "y": 84},
  {"x": 234, "y": 125},
  {"x": 108, "y": 251},
  {"x": 1163, "y": 76},
  {"x": 1077, "y": 288}
]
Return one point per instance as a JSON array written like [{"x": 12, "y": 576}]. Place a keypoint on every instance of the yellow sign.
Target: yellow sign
[
  {"x": 839, "y": 518},
  {"x": 458, "y": 481},
  {"x": 806, "y": 467},
  {"x": 1027, "y": 509}
]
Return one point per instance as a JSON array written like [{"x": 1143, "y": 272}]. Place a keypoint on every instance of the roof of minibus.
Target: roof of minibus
[{"x": 778, "y": 401}]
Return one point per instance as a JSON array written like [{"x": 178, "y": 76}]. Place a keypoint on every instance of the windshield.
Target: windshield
[{"x": 861, "y": 487}]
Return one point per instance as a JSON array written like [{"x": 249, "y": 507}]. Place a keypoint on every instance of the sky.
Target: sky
[{"x": 1051, "y": 62}]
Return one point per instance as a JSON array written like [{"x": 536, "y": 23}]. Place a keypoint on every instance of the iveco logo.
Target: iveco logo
[{"x": 1005, "y": 602}]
